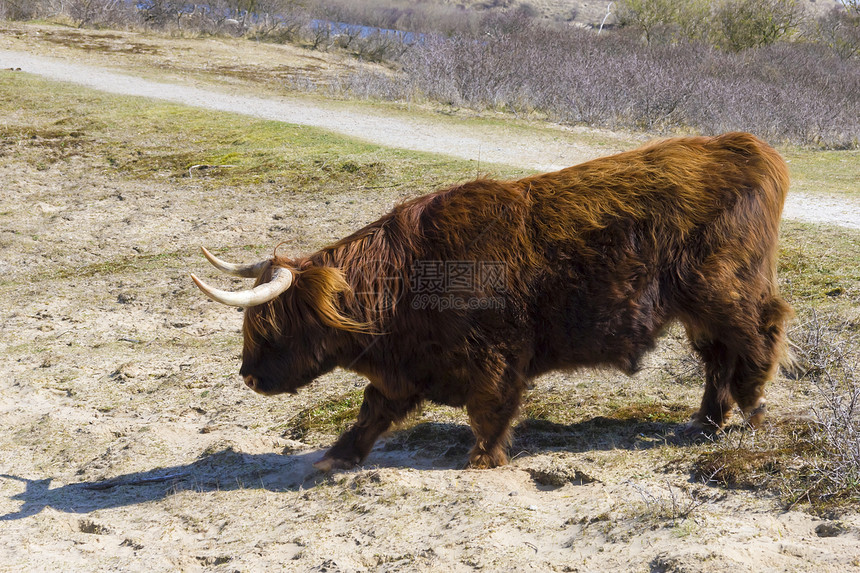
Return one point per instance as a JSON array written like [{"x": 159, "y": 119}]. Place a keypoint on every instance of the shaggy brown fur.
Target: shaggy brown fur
[{"x": 598, "y": 258}]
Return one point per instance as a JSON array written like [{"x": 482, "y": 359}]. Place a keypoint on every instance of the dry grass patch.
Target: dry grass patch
[
  {"x": 764, "y": 459},
  {"x": 326, "y": 419}
]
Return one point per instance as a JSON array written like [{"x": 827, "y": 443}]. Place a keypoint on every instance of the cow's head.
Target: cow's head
[{"x": 294, "y": 329}]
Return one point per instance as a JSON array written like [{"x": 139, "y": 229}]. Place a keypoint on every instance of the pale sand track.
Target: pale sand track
[{"x": 483, "y": 144}]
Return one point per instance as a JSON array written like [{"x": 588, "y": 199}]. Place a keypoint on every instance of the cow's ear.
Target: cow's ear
[{"x": 320, "y": 288}]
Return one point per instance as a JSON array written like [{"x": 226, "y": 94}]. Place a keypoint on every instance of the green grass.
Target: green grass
[
  {"x": 822, "y": 171},
  {"x": 140, "y": 139},
  {"x": 819, "y": 264},
  {"x": 328, "y": 418}
]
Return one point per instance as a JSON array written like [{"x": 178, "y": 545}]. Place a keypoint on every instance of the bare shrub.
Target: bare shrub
[
  {"x": 800, "y": 93},
  {"x": 321, "y": 35},
  {"x": 158, "y": 13},
  {"x": 274, "y": 20},
  {"x": 828, "y": 348},
  {"x": 498, "y": 66},
  {"x": 744, "y": 24},
  {"x": 840, "y": 31},
  {"x": 674, "y": 505},
  {"x": 792, "y": 93},
  {"x": 18, "y": 9},
  {"x": 375, "y": 85},
  {"x": 98, "y": 12},
  {"x": 345, "y": 34},
  {"x": 281, "y": 27},
  {"x": 380, "y": 45}
]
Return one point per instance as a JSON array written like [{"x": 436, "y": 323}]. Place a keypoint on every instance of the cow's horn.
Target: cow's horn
[
  {"x": 249, "y": 271},
  {"x": 281, "y": 280}
]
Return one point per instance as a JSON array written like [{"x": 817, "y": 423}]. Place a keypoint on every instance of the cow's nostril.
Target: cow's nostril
[{"x": 251, "y": 382}]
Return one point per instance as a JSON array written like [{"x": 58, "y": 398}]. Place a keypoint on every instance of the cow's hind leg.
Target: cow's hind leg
[
  {"x": 491, "y": 410},
  {"x": 376, "y": 415}
]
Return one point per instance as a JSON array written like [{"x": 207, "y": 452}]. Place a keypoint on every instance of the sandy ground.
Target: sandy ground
[{"x": 128, "y": 442}]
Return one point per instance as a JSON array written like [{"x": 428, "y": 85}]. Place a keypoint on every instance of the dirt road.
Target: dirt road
[{"x": 540, "y": 150}]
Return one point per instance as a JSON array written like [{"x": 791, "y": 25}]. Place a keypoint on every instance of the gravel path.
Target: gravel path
[{"x": 483, "y": 143}]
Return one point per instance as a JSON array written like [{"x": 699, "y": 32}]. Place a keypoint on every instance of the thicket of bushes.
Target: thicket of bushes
[
  {"x": 670, "y": 65},
  {"x": 800, "y": 93}
]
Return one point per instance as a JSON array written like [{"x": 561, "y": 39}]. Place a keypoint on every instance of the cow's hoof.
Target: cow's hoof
[
  {"x": 755, "y": 417},
  {"x": 329, "y": 464},
  {"x": 696, "y": 432},
  {"x": 486, "y": 461}
]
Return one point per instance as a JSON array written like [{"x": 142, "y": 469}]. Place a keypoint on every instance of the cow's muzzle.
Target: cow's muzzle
[{"x": 259, "y": 386}]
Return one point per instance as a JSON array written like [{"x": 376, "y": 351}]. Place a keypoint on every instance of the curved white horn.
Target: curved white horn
[
  {"x": 250, "y": 271},
  {"x": 281, "y": 280}
]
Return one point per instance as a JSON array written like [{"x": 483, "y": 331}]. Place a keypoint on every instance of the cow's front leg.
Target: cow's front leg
[{"x": 376, "y": 415}]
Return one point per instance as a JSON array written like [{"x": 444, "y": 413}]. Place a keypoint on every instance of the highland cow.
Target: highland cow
[{"x": 464, "y": 295}]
